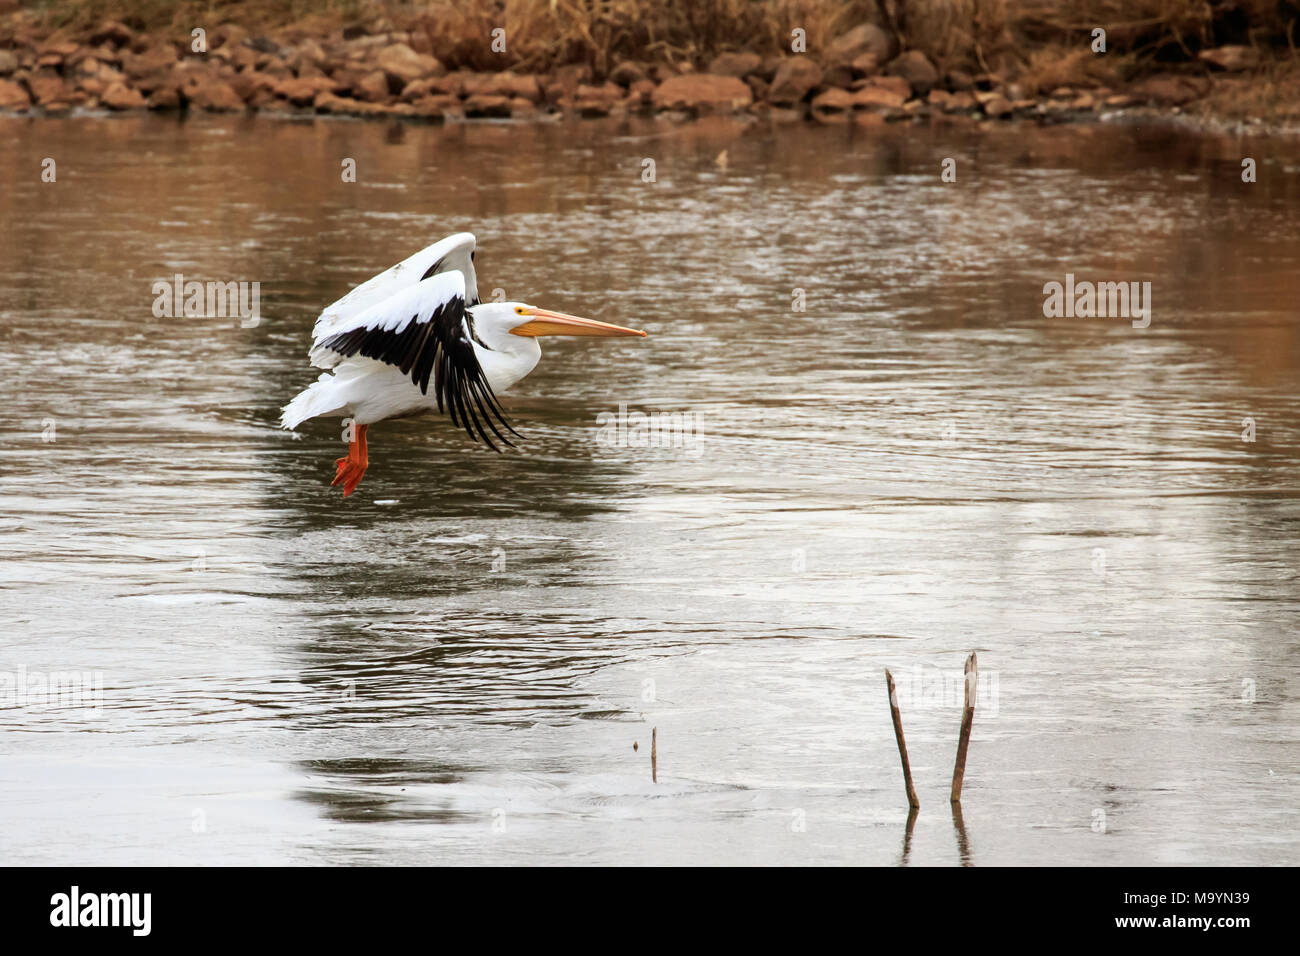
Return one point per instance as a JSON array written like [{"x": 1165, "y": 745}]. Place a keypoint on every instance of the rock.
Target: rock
[
  {"x": 13, "y": 96},
  {"x": 1119, "y": 101},
  {"x": 212, "y": 95},
  {"x": 402, "y": 64},
  {"x": 53, "y": 53},
  {"x": 963, "y": 101},
  {"x": 867, "y": 64},
  {"x": 119, "y": 96},
  {"x": 302, "y": 92},
  {"x": 309, "y": 53},
  {"x": 703, "y": 92},
  {"x": 833, "y": 101},
  {"x": 159, "y": 57},
  {"x": 230, "y": 35},
  {"x": 522, "y": 85},
  {"x": 997, "y": 106},
  {"x": 738, "y": 65},
  {"x": 895, "y": 84},
  {"x": 521, "y": 108},
  {"x": 1167, "y": 89},
  {"x": 960, "y": 80},
  {"x": 914, "y": 67},
  {"x": 487, "y": 105},
  {"x": 865, "y": 40},
  {"x": 840, "y": 76},
  {"x": 598, "y": 100},
  {"x": 417, "y": 90},
  {"x": 373, "y": 87},
  {"x": 1231, "y": 58},
  {"x": 254, "y": 87},
  {"x": 95, "y": 77},
  {"x": 329, "y": 103},
  {"x": 164, "y": 98},
  {"x": 436, "y": 106},
  {"x": 1083, "y": 102},
  {"x": 47, "y": 88},
  {"x": 627, "y": 73},
  {"x": 8, "y": 62},
  {"x": 876, "y": 96},
  {"x": 112, "y": 31},
  {"x": 795, "y": 78}
]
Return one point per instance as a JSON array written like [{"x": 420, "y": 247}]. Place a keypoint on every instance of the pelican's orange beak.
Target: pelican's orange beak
[{"x": 545, "y": 322}]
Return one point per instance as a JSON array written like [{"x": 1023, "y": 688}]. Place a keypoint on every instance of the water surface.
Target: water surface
[{"x": 453, "y": 665}]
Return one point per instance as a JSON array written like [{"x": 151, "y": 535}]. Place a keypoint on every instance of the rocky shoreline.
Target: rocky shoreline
[{"x": 860, "y": 78}]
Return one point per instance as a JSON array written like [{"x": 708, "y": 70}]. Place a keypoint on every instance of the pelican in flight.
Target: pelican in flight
[{"x": 417, "y": 325}]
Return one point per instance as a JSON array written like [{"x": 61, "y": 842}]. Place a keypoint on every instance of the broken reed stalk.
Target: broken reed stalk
[
  {"x": 654, "y": 755},
  {"x": 967, "y": 719},
  {"x": 894, "y": 712}
]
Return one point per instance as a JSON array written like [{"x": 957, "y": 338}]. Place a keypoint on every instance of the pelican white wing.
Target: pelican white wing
[
  {"x": 423, "y": 331},
  {"x": 453, "y": 254}
]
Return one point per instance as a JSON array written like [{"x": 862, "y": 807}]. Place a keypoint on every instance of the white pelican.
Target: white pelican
[{"x": 422, "y": 320}]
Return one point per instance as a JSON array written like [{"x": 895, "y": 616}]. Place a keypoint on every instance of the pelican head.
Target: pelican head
[{"x": 495, "y": 322}]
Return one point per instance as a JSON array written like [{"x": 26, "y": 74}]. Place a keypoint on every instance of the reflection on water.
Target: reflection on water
[{"x": 463, "y": 654}]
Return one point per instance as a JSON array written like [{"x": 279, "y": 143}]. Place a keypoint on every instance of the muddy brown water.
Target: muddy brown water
[{"x": 453, "y": 665}]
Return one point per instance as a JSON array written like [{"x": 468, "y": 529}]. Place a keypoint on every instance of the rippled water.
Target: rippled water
[{"x": 453, "y": 665}]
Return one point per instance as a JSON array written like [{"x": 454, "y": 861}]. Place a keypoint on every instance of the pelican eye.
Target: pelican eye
[{"x": 519, "y": 310}]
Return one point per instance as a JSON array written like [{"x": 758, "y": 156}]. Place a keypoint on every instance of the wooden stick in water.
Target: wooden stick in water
[
  {"x": 654, "y": 755},
  {"x": 894, "y": 712},
  {"x": 967, "y": 719}
]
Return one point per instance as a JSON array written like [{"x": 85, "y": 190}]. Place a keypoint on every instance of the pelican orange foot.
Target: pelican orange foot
[{"x": 353, "y": 467}]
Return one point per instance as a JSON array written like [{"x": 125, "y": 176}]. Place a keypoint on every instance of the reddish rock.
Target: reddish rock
[
  {"x": 251, "y": 85},
  {"x": 997, "y": 106},
  {"x": 865, "y": 40},
  {"x": 833, "y": 105},
  {"x": 13, "y": 96},
  {"x": 417, "y": 90},
  {"x": 212, "y": 95},
  {"x": 739, "y": 65},
  {"x": 486, "y": 105},
  {"x": 119, "y": 96},
  {"x": 959, "y": 80},
  {"x": 868, "y": 64},
  {"x": 373, "y": 87},
  {"x": 598, "y": 100},
  {"x": 960, "y": 102},
  {"x": 164, "y": 98},
  {"x": 114, "y": 32},
  {"x": 301, "y": 92},
  {"x": 155, "y": 59},
  {"x": 47, "y": 88},
  {"x": 524, "y": 86},
  {"x": 437, "y": 106},
  {"x": 402, "y": 64},
  {"x": 703, "y": 92},
  {"x": 8, "y": 62},
  {"x": 879, "y": 97},
  {"x": 795, "y": 78},
  {"x": 1232, "y": 58},
  {"x": 914, "y": 67}
]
